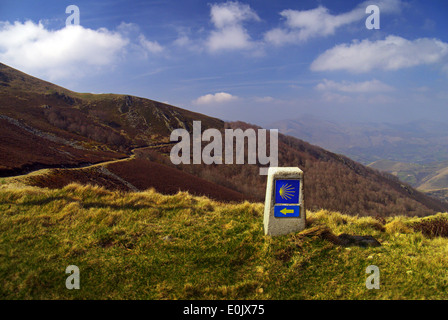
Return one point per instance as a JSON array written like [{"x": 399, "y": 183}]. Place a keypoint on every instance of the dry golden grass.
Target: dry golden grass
[{"x": 146, "y": 245}]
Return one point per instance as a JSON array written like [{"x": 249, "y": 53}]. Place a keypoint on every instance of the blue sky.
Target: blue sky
[{"x": 256, "y": 61}]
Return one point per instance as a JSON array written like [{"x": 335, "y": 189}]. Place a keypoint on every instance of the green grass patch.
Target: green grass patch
[{"x": 150, "y": 246}]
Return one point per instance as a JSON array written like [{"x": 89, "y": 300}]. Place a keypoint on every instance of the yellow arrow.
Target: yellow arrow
[{"x": 285, "y": 211}]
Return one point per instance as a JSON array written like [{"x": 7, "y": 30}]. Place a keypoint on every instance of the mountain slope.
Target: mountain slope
[
  {"x": 78, "y": 129},
  {"x": 107, "y": 122},
  {"x": 431, "y": 178},
  {"x": 439, "y": 181}
]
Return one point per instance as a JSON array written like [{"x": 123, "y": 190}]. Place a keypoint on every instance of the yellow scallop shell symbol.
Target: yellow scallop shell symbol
[{"x": 286, "y": 191}]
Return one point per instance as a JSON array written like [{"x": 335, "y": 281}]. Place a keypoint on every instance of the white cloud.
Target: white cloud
[
  {"x": 302, "y": 25},
  {"x": 392, "y": 53},
  {"x": 139, "y": 43},
  {"x": 182, "y": 41},
  {"x": 70, "y": 52},
  {"x": 229, "y": 38},
  {"x": 151, "y": 46},
  {"x": 354, "y": 87},
  {"x": 57, "y": 53},
  {"x": 231, "y": 13},
  {"x": 219, "y": 97},
  {"x": 229, "y": 33},
  {"x": 127, "y": 29}
]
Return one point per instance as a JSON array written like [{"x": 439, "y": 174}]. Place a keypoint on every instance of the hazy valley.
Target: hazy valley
[{"x": 415, "y": 152}]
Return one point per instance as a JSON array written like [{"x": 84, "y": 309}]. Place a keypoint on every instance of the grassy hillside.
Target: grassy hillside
[{"x": 144, "y": 245}]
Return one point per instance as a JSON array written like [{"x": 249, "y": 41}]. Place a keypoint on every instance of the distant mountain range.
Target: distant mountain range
[
  {"x": 415, "y": 142},
  {"x": 122, "y": 142},
  {"x": 415, "y": 152}
]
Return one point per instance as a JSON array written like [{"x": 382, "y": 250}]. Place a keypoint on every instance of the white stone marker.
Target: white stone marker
[{"x": 284, "y": 210}]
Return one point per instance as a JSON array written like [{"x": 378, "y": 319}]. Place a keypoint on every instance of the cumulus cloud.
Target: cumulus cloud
[
  {"x": 354, "y": 87},
  {"x": 300, "y": 26},
  {"x": 185, "y": 41},
  {"x": 151, "y": 46},
  {"x": 57, "y": 53},
  {"x": 219, "y": 97},
  {"x": 229, "y": 33},
  {"x": 182, "y": 41},
  {"x": 72, "y": 51},
  {"x": 392, "y": 53}
]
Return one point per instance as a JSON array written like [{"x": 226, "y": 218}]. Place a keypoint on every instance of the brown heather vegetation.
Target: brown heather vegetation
[
  {"x": 78, "y": 123},
  {"x": 144, "y": 174},
  {"x": 22, "y": 151},
  {"x": 432, "y": 227},
  {"x": 135, "y": 175}
]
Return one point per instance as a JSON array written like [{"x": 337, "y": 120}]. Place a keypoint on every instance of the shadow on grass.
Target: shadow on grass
[
  {"x": 101, "y": 205},
  {"x": 41, "y": 202}
]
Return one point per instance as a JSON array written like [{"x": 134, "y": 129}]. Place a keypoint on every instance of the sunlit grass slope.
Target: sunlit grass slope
[{"x": 150, "y": 246}]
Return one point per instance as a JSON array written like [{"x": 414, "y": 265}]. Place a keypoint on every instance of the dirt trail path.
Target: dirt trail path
[{"x": 19, "y": 177}]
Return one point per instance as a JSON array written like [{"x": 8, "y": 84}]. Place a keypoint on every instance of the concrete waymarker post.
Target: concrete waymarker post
[{"x": 284, "y": 210}]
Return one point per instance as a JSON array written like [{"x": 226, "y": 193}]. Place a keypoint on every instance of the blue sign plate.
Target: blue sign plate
[
  {"x": 287, "y": 211},
  {"x": 287, "y": 191}
]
